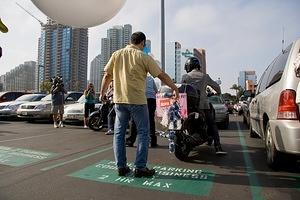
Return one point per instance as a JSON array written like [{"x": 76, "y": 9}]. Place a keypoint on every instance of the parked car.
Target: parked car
[
  {"x": 75, "y": 112},
  {"x": 9, "y": 109},
  {"x": 274, "y": 112},
  {"x": 10, "y": 96},
  {"x": 221, "y": 110},
  {"x": 42, "y": 109},
  {"x": 245, "y": 112}
]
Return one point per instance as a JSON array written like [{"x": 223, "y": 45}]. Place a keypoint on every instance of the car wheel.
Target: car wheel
[{"x": 273, "y": 156}]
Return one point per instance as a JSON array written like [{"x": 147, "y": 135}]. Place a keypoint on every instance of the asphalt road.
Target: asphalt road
[{"x": 38, "y": 162}]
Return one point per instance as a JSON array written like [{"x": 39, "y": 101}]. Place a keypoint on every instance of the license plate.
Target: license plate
[
  {"x": 24, "y": 113},
  {"x": 72, "y": 116}
]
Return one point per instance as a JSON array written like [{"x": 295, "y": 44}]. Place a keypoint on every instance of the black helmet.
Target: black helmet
[{"x": 192, "y": 63}]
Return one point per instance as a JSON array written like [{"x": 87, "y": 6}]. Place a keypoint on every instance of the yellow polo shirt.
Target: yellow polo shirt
[{"x": 129, "y": 67}]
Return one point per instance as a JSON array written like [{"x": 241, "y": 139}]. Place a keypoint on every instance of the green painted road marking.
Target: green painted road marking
[
  {"x": 255, "y": 187},
  {"x": 170, "y": 179},
  {"x": 25, "y": 138},
  {"x": 76, "y": 159},
  {"x": 17, "y": 157}
]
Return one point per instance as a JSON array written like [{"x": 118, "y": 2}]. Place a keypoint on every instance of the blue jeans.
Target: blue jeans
[
  {"x": 111, "y": 118},
  {"x": 139, "y": 113}
]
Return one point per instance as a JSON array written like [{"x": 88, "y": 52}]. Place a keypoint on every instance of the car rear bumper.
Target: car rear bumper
[
  {"x": 221, "y": 117},
  {"x": 286, "y": 135}
]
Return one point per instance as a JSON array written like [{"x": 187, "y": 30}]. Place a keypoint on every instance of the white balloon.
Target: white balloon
[{"x": 80, "y": 13}]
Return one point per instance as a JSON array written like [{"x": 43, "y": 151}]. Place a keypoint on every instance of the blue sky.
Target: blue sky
[{"x": 237, "y": 34}]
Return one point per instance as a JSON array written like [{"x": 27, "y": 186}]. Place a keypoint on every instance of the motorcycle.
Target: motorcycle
[
  {"x": 193, "y": 130},
  {"x": 98, "y": 118}
]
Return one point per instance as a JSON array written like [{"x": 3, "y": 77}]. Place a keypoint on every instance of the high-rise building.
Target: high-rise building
[
  {"x": 127, "y": 31},
  {"x": 117, "y": 37},
  {"x": 2, "y": 83},
  {"x": 96, "y": 72},
  {"x": 173, "y": 61},
  {"x": 21, "y": 78},
  {"x": 244, "y": 76},
  {"x": 63, "y": 51}
]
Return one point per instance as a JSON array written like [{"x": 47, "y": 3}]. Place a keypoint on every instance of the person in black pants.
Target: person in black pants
[{"x": 151, "y": 91}]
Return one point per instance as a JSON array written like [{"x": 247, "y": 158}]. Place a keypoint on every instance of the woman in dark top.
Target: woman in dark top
[{"x": 89, "y": 104}]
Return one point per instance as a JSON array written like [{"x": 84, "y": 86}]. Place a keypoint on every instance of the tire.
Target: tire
[
  {"x": 181, "y": 149},
  {"x": 96, "y": 122},
  {"x": 273, "y": 156}
]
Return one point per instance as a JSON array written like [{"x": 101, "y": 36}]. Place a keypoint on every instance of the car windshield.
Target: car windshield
[
  {"x": 26, "y": 97},
  {"x": 216, "y": 100},
  {"x": 81, "y": 99},
  {"x": 47, "y": 98}
]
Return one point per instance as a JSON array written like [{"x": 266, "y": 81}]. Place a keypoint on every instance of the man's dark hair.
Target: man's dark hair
[{"x": 137, "y": 38}]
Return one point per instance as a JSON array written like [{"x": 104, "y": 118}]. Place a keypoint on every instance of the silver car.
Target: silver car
[
  {"x": 221, "y": 110},
  {"x": 42, "y": 109},
  {"x": 9, "y": 109},
  {"x": 274, "y": 112},
  {"x": 75, "y": 112}
]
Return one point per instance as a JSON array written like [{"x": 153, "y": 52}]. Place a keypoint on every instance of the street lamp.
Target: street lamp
[{"x": 163, "y": 35}]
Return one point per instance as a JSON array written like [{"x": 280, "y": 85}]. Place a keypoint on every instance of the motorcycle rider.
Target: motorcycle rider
[{"x": 200, "y": 81}]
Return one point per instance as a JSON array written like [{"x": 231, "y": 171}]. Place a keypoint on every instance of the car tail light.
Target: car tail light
[{"x": 287, "y": 108}]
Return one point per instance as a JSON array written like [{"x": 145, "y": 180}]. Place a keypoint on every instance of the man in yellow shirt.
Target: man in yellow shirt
[{"x": 128, "y": 67}]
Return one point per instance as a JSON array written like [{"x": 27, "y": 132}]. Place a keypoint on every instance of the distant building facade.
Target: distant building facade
[
  {"x": 117, "y": 37},
  {"x": 21, "y": 78},
  {"x": 96, "y": 71},
  {"x": 245, "y": 76},
  {"x": 63, "y": 51},
  {"x": 173, "y": 61}
]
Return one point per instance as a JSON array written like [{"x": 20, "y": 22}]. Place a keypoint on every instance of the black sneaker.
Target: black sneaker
[
  {"x": 145, "y": 172},
  {"x": 220, "y": 151},
  {"x": 123, "y": 171}
]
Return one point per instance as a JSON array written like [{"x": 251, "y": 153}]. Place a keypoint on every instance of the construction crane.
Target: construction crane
[{"x": 42, "y": 23}]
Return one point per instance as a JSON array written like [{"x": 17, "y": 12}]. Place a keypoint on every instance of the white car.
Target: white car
[
  {"x": 75, "y": 112},
  {"x": 9, "y": 109},
  {"x": 42, "y": 109},
  {"x": 274, "y": 111}
]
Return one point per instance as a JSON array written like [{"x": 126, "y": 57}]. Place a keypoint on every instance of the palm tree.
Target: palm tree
[{"x": 46, "y": 86}]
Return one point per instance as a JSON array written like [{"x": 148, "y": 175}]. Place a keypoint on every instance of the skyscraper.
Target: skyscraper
[
  {"x": 117, "y": 37},
  {"x": 96, "y": 71},
  {"x": 173, "y": 60},
  {"x": 63, "y": 50}
]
